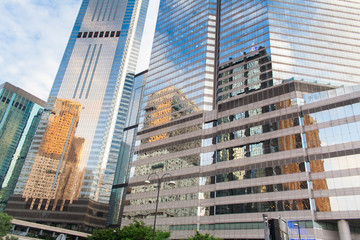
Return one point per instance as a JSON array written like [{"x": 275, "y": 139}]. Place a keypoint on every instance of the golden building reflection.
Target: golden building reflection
[
  {"x": 313, "y": 141},
  {"x": 56, "y": 173},
  {"x": 289, "y": 142}
]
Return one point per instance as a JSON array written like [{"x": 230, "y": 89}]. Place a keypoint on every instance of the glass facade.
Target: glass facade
[
  {"x": 242, "y": 106},
  {"x": 75, "y": 151},
  {"x": 126, "y": 152},
  {"x": 312, "y": 40},
  {"x": 20, "y": 113}
]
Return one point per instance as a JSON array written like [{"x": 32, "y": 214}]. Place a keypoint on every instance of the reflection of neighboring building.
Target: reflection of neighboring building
[
  {"x": 56, "y": 172},
  {"x": 162, "y": 107},
  {"x": 20, "y": 113},
  {"x": 68, "y": 174}
]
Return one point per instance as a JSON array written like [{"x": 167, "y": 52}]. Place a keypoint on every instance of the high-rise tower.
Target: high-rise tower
[
  {"x": 72, "y": 160},
  {"x": 241, "y": 106}
]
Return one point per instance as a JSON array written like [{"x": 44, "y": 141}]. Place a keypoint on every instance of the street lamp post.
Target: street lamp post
[
  {"x": 266, "y": 226},
  {"x": 298, "y": 227},
  {"x": 159, "y": 180}
]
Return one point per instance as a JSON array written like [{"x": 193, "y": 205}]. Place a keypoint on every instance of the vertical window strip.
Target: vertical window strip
[
  {"x": 111, "y": 8},
  {"x": 97, "y": 4},
  {"x": 116, "y": 10},
  {"x": 101, "y": 7},
  {"x": 106, "y": 8},
  {"x": 87, "y": 71},
  {"x": 93, "y": 72},
  {"x": 82, "y": 70}
]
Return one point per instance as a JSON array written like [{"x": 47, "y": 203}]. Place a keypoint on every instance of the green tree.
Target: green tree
[
  {"x": 135, "y": 231},
  {"x": 5, "y": 224},
  {"x": 105, "y": 234},
  {"x": 199, "y": 236},
  {"x": 11, "y": 238}
]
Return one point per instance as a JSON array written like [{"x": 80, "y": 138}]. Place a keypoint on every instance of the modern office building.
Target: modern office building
[
  {"x": 117, "y": 199},
  {"x": 20, "y": 114},
  {"x": 68, "y": 174},
  {"x": 252, "y": 107}
]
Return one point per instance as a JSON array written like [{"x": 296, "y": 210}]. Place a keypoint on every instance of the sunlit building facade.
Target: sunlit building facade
[
  {"x": 68, "y": 174},
  {"x": 245, "y": 106},
  {"x": 20, "y": 114}
]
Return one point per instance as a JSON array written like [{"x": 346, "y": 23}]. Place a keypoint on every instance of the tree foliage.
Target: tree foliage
[
  {"x": 135, "y": 231},
  {"x": 5, "y": 224},
  {"x": 199, "y": 236}
]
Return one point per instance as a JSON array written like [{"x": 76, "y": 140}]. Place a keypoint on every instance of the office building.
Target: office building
[
  {"x": 20, "y": 113},
  {"x": 117, "y": 199},
  {"x": 68, "y": 174},
  {"x": 252, "y": 107}
]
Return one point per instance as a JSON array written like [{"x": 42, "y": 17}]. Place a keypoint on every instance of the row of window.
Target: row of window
[
  {"x": 259, "y": 129},
  {"x": 254, "y": 207},
  {"x": 16, "y": 104},
  {"x": 174, "y": 133},
  {"x": 98, "y": 34},
  {"x": 253, "y": 225},
  {"x": 268, "y": 146},
  {"x": 226, "y": 193}
]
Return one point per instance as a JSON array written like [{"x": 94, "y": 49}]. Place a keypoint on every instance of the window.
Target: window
[
  {"x": 96, "y": 34},
  {"x": 84, "y": 35},
  {"x": 107, "y": 34},
  {"x": 101, "y": 34},
  {"x": 79, "y": 34},
  {"x": 90, "y": 34},
  {"x": 118, "y": 34},
  {"x": 112, "y": 34}
]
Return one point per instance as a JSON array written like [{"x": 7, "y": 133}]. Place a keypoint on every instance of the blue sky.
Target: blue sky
[{"x": 33, "y": 37}]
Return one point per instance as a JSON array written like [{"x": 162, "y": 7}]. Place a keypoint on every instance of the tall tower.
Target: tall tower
[
  {"x": 235, "y": 108},
  {"x": 72, "y": 160}
]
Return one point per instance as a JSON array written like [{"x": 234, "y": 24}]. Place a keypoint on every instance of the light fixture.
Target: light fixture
[
  {"x": 147, "y": 182},
  {"x": 172, "y": 183}
]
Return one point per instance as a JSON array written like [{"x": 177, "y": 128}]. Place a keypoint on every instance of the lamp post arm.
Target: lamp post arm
[
  {"x": 158, "y": 177},
  {"x": 165, "y": 174}
]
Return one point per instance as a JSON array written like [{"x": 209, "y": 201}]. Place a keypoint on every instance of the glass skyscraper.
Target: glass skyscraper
[
  {"x": 117, "y": 200},
  {"x": 245, "y": 106},
  {"x": 71, "y": 164},
  {"x": 20, "y": 114}
]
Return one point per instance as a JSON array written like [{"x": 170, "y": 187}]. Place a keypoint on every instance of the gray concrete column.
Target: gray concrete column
[{"x": 344, "y": 230}]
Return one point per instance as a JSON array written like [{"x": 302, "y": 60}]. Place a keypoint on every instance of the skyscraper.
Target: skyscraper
[
  {"x": 117, "y": 199},
  {"x": 243, "y": 106},
  {"x": 20, "y": 114},
  {"x": 68, "y": 174}
]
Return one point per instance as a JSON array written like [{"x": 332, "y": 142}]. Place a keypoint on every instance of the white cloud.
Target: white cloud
[{"x": 33, "y": 36}]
